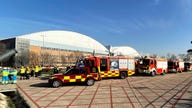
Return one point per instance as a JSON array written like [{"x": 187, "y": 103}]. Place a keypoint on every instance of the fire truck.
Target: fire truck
[
  {"x": 152, "y": 66},
  {"x": 75, "y": 74},
  {"x": 111, "y": 66},
  {"x": 175, "y": 66},
  {"x": 93, "y": 68},
  {"x": 188, "y": 66}
]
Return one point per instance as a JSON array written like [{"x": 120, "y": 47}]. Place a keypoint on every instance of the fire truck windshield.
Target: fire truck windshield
[
  {"x": 67, "y": 71},
  {"x": 144, "y": 61}
]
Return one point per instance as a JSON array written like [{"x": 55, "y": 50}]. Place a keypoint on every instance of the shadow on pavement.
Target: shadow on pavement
[
  {"x": 46, "y": 85},
  {"x": 140, "y": 88},
  {"x": 44, "y": 78},
  {"x": 184, "y": 105},
  {"x": 74, "y": 84},
  {"x": 41, "y": 85},
  {"x": 190, "y": 100}
]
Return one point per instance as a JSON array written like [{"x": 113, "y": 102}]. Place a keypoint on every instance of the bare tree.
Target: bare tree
[
  {"x": 187, "y": 57},
  {"x": 63, "y": 59},
  {"x": 182, "y": 56},
  {"x": 172, "y": 57},
  {"x": 22, "y": 58},
  {"x": 163, "y": 57},
  {"x": 48, "y": 59},
  {"x": 75, "y": 56},
  {"x": 71, "y": 58},
  {"x": 189, "y": 51},
  {"x": 34, "y": 58},
  {"x": 168, "y": 55},
  {"x": 154, "y": 56},
  {"x": 78, "y": 55}
]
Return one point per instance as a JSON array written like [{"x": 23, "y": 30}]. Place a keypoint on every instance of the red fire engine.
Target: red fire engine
[
  {"x": 94, "y": 68},
  {"x": 188, "y": 66},
  {"x": 175, "y": 66},
  {"x": 113, "y": 66},
  {"x": 152, "y": 66}
]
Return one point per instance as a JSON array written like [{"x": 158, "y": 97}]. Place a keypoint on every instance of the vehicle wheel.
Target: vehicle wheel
[
  {"x": 153, "y": 73},
  {"x": 123, "y": 75},
  {"x": 180, "y": 71},
  {"x": 90, "y": 82},
  {"x": 56, "y": 83},
  {"x": 163, "y": 73}
]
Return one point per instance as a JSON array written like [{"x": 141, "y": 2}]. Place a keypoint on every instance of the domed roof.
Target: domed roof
[
  {"x": 125, "y": 51},
  {"x": 66, "y": 40}
]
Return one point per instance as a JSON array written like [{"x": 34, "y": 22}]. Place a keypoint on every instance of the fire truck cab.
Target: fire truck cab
[
  {"x": 175, "y": 66},
  {"x": 113, "y": 66},
  {"x": 73, "y": 75},
  {"x": 152, "y": 66},
  {"x": 188, "y": 66}
]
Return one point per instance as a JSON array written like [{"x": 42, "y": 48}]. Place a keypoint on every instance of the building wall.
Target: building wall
[
  {"x": 53, "y": 56},
  {"x": 40, "y": 52}
]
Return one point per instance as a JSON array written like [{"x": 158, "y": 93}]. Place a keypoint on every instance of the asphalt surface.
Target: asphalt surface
[{"x": 168, "y": 91}]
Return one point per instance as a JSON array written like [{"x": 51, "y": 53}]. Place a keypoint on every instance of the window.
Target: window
[
  {"x": 73, "y": 71},
  {"x": 83, "y": 71},
  {"x": 103, "y": 64},
  {"x": 151, "y": 61},
  {"x": 94, "y": 70}
]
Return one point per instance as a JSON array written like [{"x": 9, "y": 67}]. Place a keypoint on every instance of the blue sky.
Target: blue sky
[{"x": 150, "y": 26}]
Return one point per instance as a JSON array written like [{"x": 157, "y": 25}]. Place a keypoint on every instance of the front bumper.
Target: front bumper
[
  {"x": 172, "y": 70},
  {"x": 144, "y": 71}
]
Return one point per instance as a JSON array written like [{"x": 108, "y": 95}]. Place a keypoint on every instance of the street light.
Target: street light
[{"x": 42, "y": 54}]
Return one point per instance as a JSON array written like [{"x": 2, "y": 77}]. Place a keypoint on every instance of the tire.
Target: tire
[
  {"x": 56, "y": 83},
  {"x": 123, "y": 75},
  {"x": 153, "y": 73},
  {"x": 163, "y": 73},
  {"x": 180, "y": 71},
  {"x": 90, "y": 82}
]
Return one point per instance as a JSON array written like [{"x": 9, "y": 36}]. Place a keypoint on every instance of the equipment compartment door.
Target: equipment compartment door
[
  {"x": 123, "y": 64},
  {"x": 131, "y": 64}
]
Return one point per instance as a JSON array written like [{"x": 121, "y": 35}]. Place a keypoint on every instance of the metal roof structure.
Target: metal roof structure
[
  {"x": 65, "y": 40},
  {"x": 125, "y": 51}
]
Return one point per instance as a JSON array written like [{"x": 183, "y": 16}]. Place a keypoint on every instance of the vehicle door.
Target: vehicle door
[{"x": 73, "y": 75}]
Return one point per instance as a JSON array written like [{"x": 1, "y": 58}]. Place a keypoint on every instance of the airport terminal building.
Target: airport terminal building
[{"x": 50, "y": 48}]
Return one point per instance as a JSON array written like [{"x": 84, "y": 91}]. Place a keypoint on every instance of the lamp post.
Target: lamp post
[{"x": 42, "y": 54}]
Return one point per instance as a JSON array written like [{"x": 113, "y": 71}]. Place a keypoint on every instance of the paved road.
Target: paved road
[{"x": 168, "y": 91}]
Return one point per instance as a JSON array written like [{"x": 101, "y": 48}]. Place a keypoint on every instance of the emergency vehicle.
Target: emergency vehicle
[
  {"x": 111, "y": 66},
  {"x": 188, "y": 66},
  {"x": 175, "y": 66},
  {"x": 152, "y": 66},
  {"x": 93, "y": 68},
  {"x": 73, "y": 75}
]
